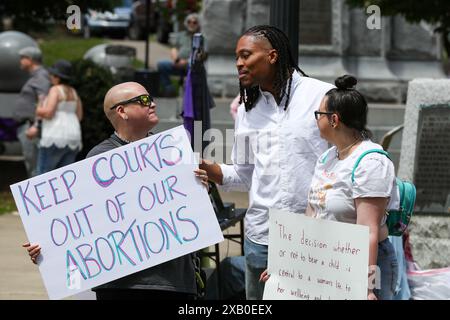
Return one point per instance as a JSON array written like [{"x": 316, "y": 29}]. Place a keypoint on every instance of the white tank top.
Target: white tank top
[{"x": 64, "y": 128}]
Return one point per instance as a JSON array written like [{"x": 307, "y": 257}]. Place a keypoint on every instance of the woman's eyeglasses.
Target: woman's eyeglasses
[
  {"x": 192, "y": 22},
  {"x": 318, "y": 113},
  {"x": 144, "y": 99}
]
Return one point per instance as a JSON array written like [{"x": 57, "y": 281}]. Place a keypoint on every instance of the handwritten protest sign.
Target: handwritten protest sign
[
  {"x": 312, "y": 259},
  {"x": 117, "y": 213}
]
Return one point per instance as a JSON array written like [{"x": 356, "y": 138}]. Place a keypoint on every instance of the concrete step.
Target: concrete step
[
  {"x": 379, "y": 114},
  {"x": 389, "y": 115}
]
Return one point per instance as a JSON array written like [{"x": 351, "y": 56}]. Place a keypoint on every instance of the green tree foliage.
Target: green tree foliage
[
  {"x": 178, "y": 8},
  {"x": 435, "y": 12},
  {"x": 92, "y": 82},
  {"x": 35, "y": 14}
]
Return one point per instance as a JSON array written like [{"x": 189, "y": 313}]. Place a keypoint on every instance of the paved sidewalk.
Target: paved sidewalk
[
  {"x": 156, "y": 52},
  {"x": 20, "y": 279}
]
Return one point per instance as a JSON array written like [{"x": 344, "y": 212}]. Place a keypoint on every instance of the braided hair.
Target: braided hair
[{"x": 285, "y": 65}]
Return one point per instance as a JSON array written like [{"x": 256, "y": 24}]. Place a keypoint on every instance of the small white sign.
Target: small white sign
[{"x": 312, "y": 259}]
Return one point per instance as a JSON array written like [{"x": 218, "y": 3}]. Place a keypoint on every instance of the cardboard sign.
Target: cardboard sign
[
  {"x": 312, "y": 259},
  {"x": 117, "y": 213}
]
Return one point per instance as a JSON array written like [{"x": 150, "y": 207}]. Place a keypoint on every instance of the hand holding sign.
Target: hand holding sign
[
  {"x": 313, "y": 259},
  {"x": 117, "y": 213}
]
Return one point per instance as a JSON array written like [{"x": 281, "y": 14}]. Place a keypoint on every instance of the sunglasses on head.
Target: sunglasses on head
[{"x": 144, "y": 99}]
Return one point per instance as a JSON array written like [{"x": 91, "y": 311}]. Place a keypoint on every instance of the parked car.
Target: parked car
[{"x": 117, "y": 21}]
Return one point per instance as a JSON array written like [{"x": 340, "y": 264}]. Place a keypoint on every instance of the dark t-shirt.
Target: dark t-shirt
[
  {"x": 38, "y": 84},
  {"x": 174, "y": 275}
]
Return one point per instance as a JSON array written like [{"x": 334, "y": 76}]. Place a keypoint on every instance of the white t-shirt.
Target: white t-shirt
[{"x": 332, "y": 192}]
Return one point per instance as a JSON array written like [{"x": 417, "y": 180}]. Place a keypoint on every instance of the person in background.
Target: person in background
[
  {"x": 277, "y": 100},
  {"x": 179, "y": 54},
  {"x": 132, "y": 113},
  {"x": 34, "y": 90},
  {"x": 335, "y": 195},
  {"x": 61, "y": 113},
  {"x": 234, "y": 105}
]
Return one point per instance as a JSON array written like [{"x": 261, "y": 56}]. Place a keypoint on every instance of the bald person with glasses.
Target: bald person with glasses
[{"x": 132, "y": 113}]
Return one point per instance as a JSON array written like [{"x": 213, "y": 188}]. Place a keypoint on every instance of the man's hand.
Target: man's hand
[
  {"x": 213, "y": 169},
  {"x": 264, "y": 276},
  {"x": 203, "y": 176},
  {"x": 180, "y": 63},
  {"x": 32, "y": 132},
  {"x": 33, "y": 251},
  {"x": 371, "y": 295}
]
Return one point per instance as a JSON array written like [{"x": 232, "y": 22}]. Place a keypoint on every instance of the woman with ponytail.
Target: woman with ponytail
[{"x": 334, "y": 195}]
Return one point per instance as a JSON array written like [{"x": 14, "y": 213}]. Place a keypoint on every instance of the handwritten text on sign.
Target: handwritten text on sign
[
  {"x": 117, "y": 213},
  {"x": 312, "y": 259}
]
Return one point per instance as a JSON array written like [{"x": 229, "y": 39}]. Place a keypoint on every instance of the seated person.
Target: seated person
[{"x": 179, "y": 55}]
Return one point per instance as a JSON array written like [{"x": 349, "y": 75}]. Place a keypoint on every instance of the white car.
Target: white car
[{"x": 118, "y": 20}]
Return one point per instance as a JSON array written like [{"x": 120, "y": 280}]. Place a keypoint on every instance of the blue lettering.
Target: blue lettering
[{"x": 102, "y": 182}]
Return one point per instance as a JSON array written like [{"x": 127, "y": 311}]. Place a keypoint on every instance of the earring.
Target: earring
[{"x": 126, "y": 117}]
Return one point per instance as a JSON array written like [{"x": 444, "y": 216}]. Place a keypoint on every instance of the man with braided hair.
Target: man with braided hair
[{"x": 277, "y": 141}]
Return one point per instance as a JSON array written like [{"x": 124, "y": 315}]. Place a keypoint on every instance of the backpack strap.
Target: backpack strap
[{"x": 363, "y": 155}]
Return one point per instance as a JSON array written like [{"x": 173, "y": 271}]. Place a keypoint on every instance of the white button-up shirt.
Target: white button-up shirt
[{"x": 275, "y": 152}]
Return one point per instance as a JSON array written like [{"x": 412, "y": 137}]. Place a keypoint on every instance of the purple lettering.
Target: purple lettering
[
  {"x": 70, "y": 260},
  {"x": 180, "y": 153},
  {"x": 26, "y": 200},
  {"x": 87, "y": 258},
  {"x": 102, "y": 182},
  {"x": 171, "y": 228},
  {"x": 143, "y": 156},
  {"x": 74, "y": 178},
  {"x": 100, "y": 255},
  {"x": 121, "y": 162},
  {"x": 146, "y": 238},
  {"x": 52, "y": 231},
  {"x": 54, "y": 189},
  {"x": 141, "y": 203},
  {"x": 85, "y": 216},
  {"x": 143, "y": 241},
  {"x": 138, "y": 166},
  {"x": 41, "y": 196},
  {"x": 197, "y": 231},
  {"x": 170, "y": 187}
]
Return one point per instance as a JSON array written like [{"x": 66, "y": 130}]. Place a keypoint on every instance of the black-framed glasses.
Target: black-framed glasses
[
  {"x": 318, "y": 113},
  {"x": 144, "y": 99}
]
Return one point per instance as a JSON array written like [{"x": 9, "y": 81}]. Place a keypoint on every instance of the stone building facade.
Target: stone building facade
[{"x": 334, "y": 40}]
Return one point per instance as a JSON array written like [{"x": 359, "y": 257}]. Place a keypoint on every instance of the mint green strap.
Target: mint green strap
[{"x": 363, "y": 155}]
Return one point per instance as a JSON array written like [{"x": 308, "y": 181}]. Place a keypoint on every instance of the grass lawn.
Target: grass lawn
[
  {"x": 69, "y": 48},
  {"x": 7, "y": 204},
  {"x": 60, "y": 44}
]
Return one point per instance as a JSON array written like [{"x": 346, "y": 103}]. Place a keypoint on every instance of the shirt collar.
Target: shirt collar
[
  {"x": 296, "y": 78},
  {"x": 36, "y": 70}
]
